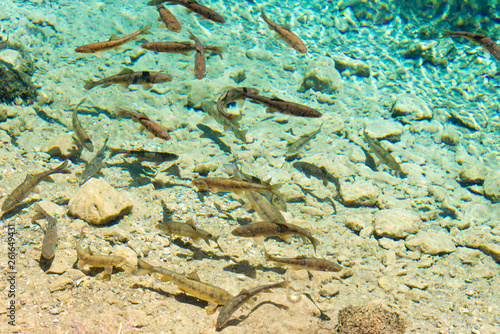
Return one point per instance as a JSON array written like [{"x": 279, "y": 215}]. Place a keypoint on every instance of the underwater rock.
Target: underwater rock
[
  {"x": 467, "y": 120},
  {"x": 197, "y": 93},
  {"x": 60, "y": 283},
  {"x": 372, "y": 319},
  {"x": 491, "y": 249},
  {"x": 356, "y": 222},
  {"x": 62, "y": 146},
  {"x": 355, "y": 67},
  {"x": 472, "y": 175},
  {"x": 382, "y": 129},
  {"x": 327, "y": 81},
  {"x": 431, "y": 242},
  {"x": 360, "y": 193},
  {"x": 98, "y": 203},
  {"x": 492, "y": 186},
  {"x": 396, "y": 223},
  {"x": 239, "y": 76},
  {"x": 16, "y": 69},
  {"x": 450, "y": 136},
  {"x": 257, "y": 53},
  {"x": 411, "y": 107}
]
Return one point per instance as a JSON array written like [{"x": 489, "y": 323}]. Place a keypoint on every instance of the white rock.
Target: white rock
[
  {"x": 360, "y": 193},
  {"x": 98, "y": 203},
  {"x": 411, "y": 107},
  {"x": 431, "y": 242},
  {"x": 384, "y": 129},
  {"x": 396, "y": 223},
  {"x": 492, "y": 186},
  {"x": 62, "y": 146}
]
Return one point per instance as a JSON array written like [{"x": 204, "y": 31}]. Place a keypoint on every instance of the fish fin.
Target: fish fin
[
  {"x": 267, "y": 256},
  {"x": 219, "y": 49},
  {"x": 286, "y": 238},
  {"x": 113, "y": 37},
  {"x": 145, "y": 31},
  {"x": 106, "y": 85},
  {"x": 164, "y": 278},
  {"x": 36, "y": 189},
  {"x": 89, "y": 84},
  {"x": 216, "y": 239},
  {"x": 271, "y": 110},
  {"x": 191, "y": 222},
  {"x": 275, "y": 187},
  {"x": 147, "y": 86},
  {"x": 98, "y": 54},
  {"x": 48, "y": 178},
  {"x": 240, "y": 103},
  {"x": 196, "y": 240},
  {"x": 126, "y": 70},
  {"x": 108, "y": 270},
  {"x": 211, "y": 308},
  {"x": 325, "y": 182},
  {"x": 259, "y": 240},
  {"x": 193, "y": 276}
]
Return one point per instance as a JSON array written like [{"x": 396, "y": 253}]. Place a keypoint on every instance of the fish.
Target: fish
[
  {"x": 214, "y": 135},
  {"x": 276, "y": 198},
  {"x": 49, "y": 242},
  {"x": 369, "y": 160},
  {"x": 285, "y": 107},
  {"x": 318, "y": 172},
  {"x": 189, "y": 284},
  {"x": 232, "y": 95},
  {"x": 286, "y": 35},
  {"x": 266, "y": 211},
  {"x": 81, "y": 135},
  {"x": 181, "y": 47},
  {"x": 200, "y": 67},
  {"x": 3, "y": 45},
  {"x": 486, "y": 42},
  {"x": 235, "y": 303},
  {"x": 194, "y": 6},
  {"x": 302, "y": 262},
  {"x": 152, "y": 127},
  {"x": 143, "y": 155},
  {"x": 30, "y": 182},
  {"x": 112, "y": 43},
  {"x": 299, "y": 143},
  {"x": 100, "y": 261},
  {"x": 168, "y": 19},
  {"x": 384, "y": 155},
  {"x": 128, "y": 77},
  {"x": 221, "y": 184},
  {"x": 268, "y": 229},
  {"x": 211, "y": 108},
  {"x": 187, "y": 229},
  {"x": 94, "y": 164}
]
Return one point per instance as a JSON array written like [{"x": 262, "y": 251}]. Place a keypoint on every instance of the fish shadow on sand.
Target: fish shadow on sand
[
  {"x": 235, "y": 322},
  {"x": 180, "y": 297},
  {"x": 197, "y": 252},
  {"x": 140, "y": 174},
  {"x": 244, "y": 267}
]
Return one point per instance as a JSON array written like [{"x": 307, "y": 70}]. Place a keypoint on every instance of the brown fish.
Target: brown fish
[
  {"x": 230, "y": 96},
  {"x": 278, "y": 105},
  {"x": 384, "y": 155},
  {"x": 180, "y": 47},
  {"x": 286, "y": 35},
  {"x": 232, "y": 124},
  {"x": 222, "y": 184},
  {"x": 193, "y": 6},
  {"x": 50, "y": 238},
  {"x": 101, "y": 261},
  {"x": 30, "y": 182},
  {"x": 302, "y": 262},
  {"x": 200, "y": 67},
  {"x": 154, "y": 128},
  {"x": 168, "y": 19},
  {"x": 112, "y": 43},
  {"x": 128, "y": 77},
  {"x": 81, "y": 135},
  {"x": 480, "y": 39}
]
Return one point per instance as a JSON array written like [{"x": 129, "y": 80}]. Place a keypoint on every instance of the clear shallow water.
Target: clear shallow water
[{"x": 449, "y": 75}]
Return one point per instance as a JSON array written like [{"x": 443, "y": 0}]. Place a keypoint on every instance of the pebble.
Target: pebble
[
  {"x": 329, "y": 290},
  {"x": 472, "y": 175},
  {"x": 137, "y": 318},
  {"x": 62, "y": 146},
  {"x": 396, "y": 223},
  {"x": 384, "y": 129},
  {"x": 491, "y": 249},
  {"x": 492, "y": 186},
  {"x": 431, "y": 242},
  {"x": 356, "y": 222},
  {"x": 325, "y": 79},
  {"x": 411, "y": 107},
  {"x": 360, "y": 193},
  {"x": 98, "y": 203},
  {"x": 61, "y": 283}
]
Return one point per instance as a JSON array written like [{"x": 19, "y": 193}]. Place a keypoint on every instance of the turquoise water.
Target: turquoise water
[{"x": 425, "y": 245}]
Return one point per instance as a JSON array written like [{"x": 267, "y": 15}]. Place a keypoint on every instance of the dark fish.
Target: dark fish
[
  {"x": 288, "y": 108},
  {"x": 81, "y": 135},
  {"x": 369, "y": 160},
  {"x": 302, "y": 262},
  {"x": 200, "y": 67},
  {"x": 318, "y": 172},
  {"x": 95, "y": 164},
  {"x": 128, "y": 77},
  {"x": 143, "y": 155},
  {"x": 222, "y": 184},
  {"x": 297, "y": 145},
  {"x": 384, "y": 155},
  {"x": 101, "y": 261},
  {"x": 193, "y": 6},
  {"x": 286, "y": 35},
  {"x": 236, "y": 302},
  {"x": 215, "y": 136},
  {"x": 211, "y": 108},
  {"x": 152, "y": 127},
  {"x": 486, "y": 42},
  {"x": 30, "y": 182},
  {"x": 168, "y": 19},
  {"x": 112, "y": 43},
  {"x": 180, "y": 47},
  {"x": 50, "y": 238},
  {"x": 3, "y": 45}
]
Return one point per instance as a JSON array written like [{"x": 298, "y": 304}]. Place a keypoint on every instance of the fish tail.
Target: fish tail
[
  {"x": 145, "y": 30},
  {"x": 216, "y": 239},
  {"x": 263, "y": 15},
  {"x": 89, "y": 84},
  {"x": 219, "y": 50},
  {"x": 143, "y": 268},
  {"x": 283, "y": 284},
  {"x": 315, "y": 242},
  {"x": 267, "y": 256},
  {"x": 243, "y": 135},
  {"x": 275, "y": 187}
]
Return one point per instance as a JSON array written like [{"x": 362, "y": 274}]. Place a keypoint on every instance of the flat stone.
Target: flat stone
[
  {"x": 62, "y": 146},
  {"x": 137, "y": 318},
  {"x": 431, "y": 242},
  {"x": 258, "y": 53},
  {"x": 329, "y": 290},
  {"x": 60, "y": 283},
  {"x": 384, "y": 129},
  {"x": 467, "y": 119},
  {"x": 491, "y": 249},
  {"x": 98, "y": 203},
  {"x": 472, "y": 175},
  {"x": 360, "y": 193},
  {"x": 355, "y": 67},
  {"x": 324, "y": 78},
  {"x": 356, "y": 222},
  {"x": 396, "y": 223},
  {"x": 492, "y": 186},
  {"x": 411, "y": 108}
]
